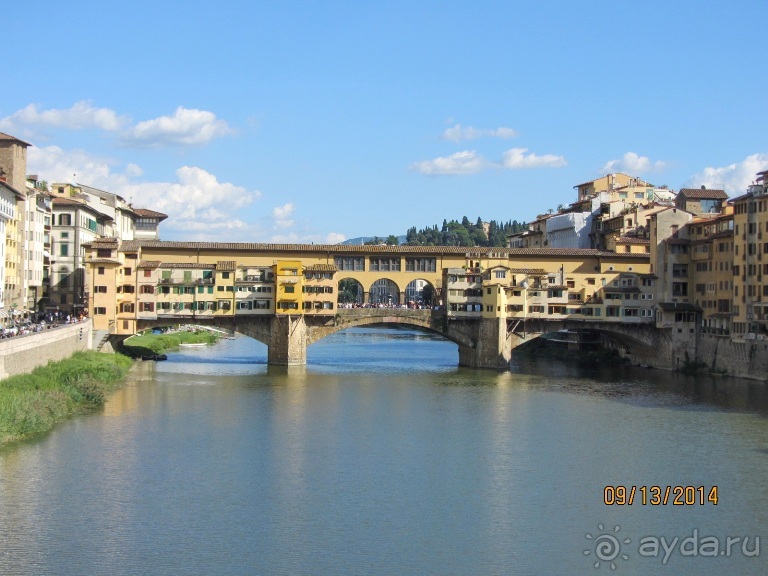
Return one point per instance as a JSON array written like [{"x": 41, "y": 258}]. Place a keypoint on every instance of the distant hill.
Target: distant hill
[{"x": 363, "y": 239}]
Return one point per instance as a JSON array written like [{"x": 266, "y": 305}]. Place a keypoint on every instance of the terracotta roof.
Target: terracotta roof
[
  {"x": 679, "y": 307},
  {"x": 149, "y": 264},
  {"x": 339, "y": 249},
  {"x": 226, "y": 265},
  {"x": 741, "y": 198},
  {"x": 62, "y": 200},
  {"x": 103, "y": 261},
  {"x": 187, "y": 265},
  {"x": 529, "y": 271},
  {"x": 621, "y": 289},
  {"x": 321, "y": 268},
  {"x": 632, "y": 240},
  {"x": 104, "y": 242},
  {"x": 702, "y": 194},
  {"x": 10, "y": 188},
  {"x": 146, "y": 213},
  {"x": 4, "y": 136}
]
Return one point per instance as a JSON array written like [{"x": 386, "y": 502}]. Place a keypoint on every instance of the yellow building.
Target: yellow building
[
  {"x": 319, "y": 289},
  {"x": 615, "y": 184},
  {"x": 289, "y": 276},
  {"x": 711, "y": 266},
  {"x": 750, "y": 261}
]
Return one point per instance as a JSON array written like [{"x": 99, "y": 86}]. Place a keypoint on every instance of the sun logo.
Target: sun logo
[{"x": 607, "y": 547}]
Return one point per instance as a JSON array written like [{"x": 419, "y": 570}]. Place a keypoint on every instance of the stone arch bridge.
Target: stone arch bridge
[{"x": 482, "y": 342}]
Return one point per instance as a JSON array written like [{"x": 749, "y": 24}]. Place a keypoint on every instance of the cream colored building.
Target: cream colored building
[{"x": 750, "y": 261}]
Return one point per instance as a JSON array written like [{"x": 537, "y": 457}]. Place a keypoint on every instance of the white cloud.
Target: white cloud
[
  {"x": 465, "y": 162},
  {"x": 283, "y": 212},
  {"x": 82, "y": 115},
  {"x": 733, "y": 178},
  {"x": 632, "y": 163},
  {"x": 458, "y": 133},
  {"x": 185, "y": 127},
  {"x": 53, "y": 164},
  {"x": 470, "y": 162},
  {"x": 199, "y": 206},
  {"x": 197, "y": 194},
  {"x": 516, "y": 158},
  {"x": 195, "y": 199},
  {"x": 282, "y": 215}
]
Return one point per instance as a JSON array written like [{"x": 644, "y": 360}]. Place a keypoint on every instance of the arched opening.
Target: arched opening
[
  {"x": 351, "y": 293},
  {"x": 420, "y": 293},
  {"x": 384, "y": 292}
]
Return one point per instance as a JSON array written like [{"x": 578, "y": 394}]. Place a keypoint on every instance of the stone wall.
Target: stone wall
[
  {"x": 747, "y": 359},
  {"x": 21, "y": 354}
]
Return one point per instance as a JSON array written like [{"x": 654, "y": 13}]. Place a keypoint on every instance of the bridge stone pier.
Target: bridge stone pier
[{"x": 482, "y": 342}]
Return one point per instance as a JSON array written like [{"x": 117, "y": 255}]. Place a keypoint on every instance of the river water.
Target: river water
[{"x": 382, "y": 457}]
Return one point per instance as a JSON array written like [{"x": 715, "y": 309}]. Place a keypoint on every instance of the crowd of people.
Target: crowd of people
[
  {"x": 45, "y": 321},
  {"x": 411, "y": 305}
]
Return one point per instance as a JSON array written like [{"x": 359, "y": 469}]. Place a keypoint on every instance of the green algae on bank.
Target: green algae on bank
[
  {"x": 152, "y": 344},
  {"x": 33, "y": 403}
]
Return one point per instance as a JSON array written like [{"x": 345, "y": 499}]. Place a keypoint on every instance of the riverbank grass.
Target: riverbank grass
[
  {"x": 152, "y": 344},
  {"x": 31, "y": 404}
]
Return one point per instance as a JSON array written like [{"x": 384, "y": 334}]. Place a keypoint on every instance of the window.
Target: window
[
  {"x": 420, "y": 264},
  {"x": 289, "y": 289},
  {"x": 147, "y": 273},
  {"x": 64, "y": 250},
  {"x": 65, "y": 220},
  {"x": 100, "y": 270},
  {"x": 385, "y": 264},
  {"x": 146, "y": 306},
  {"x": 501, "y": 273},
  {"x": 128, "y": 271},
  {"x": 347, "y": 263},
  {"x": 225, "y": 275},
  {"x": 679, "y": 289},
  {"x": 679, "y": 270},
  {"x": 100, "y": 289},
  {"x": 145, "y": 289},
  {"x": 104, "y": 253},
  {"x": 99, "y": 311}
]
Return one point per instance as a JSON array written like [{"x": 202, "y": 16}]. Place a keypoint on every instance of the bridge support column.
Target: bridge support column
[
  {"x": 287, "y": 341},
  {"x": 492, "y": 348}
]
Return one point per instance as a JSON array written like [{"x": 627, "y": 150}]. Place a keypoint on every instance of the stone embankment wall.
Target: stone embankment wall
[
  {"x": 22, "y": 354},
  {"x": 746, "y": 359}
]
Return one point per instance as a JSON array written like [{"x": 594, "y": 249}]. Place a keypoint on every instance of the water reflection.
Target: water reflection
[{"x": 378, "y": 457}]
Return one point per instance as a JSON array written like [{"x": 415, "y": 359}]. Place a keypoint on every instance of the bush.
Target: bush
[{"x": 33, "y": 403}]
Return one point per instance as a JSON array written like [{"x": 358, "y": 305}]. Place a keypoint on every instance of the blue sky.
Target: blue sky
[{"x": 320, "y": 121}]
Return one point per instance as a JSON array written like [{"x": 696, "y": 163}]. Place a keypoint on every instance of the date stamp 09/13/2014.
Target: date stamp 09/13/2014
[{"x": 660, "y": 495}]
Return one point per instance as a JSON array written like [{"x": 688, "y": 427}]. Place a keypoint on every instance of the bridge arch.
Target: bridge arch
[
  {"x": 421, "y": 319},
  {"x": 420, "y": 291},
  {"x": 384, "y": 291},
  {"x": 350, "y": 291}
]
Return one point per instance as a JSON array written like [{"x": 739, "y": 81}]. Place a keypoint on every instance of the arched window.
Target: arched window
[{"x": 63, "y": 277}]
